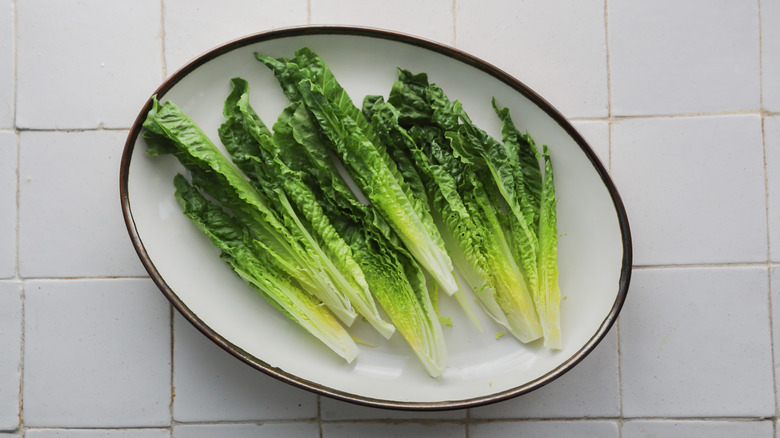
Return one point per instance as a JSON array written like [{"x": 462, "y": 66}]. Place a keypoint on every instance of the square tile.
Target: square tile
[
  {"x": 193, "y": 27},
  {"x": 7, "y": 55},
  {"x": 86, "y": 63},
  {"x": 269, "y": 430},
  {"x": 97, "y": 354},
  {"x": 331, "y": 409},
  {"x": 545, "y": 429},
  {"x": 668, "y": 57},
  {"x": 393, "y": 430},
  {"x": 589, "y": 390},
  {"x": 97, "y": 433},
  {"x": 8, "y": 184},
  {"x": 432, "y": 19},
  {"x": 770, "y": 53},
  {"x": 10, "y": 353},
  {"x": 596, "y": 133},
  {"x": 212, "y": 385},
  {"x": 558, "y": 48},
  {"x": 695, "y": 342},
  {"x": 697, "y": 429},
  {"x": 70, "y": 221},
  {"x": 687, "y": 200},
  {"x": 772, "y": 150}
]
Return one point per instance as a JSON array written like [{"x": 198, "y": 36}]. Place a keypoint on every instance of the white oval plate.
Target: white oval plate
[{"x": 594, "y": 250}]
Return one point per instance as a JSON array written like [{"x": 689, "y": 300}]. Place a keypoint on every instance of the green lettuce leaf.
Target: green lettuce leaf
[
  {"x": 549, "y": 294},
  {"x": 251, "y": 146},
  {"x": 394, "y": 276},
  {"x": 353, "y": 140},
  {"x": 463, "y": 195},
  {"x": 227, "y": 185},
  {"x": 251, "y": 262}
]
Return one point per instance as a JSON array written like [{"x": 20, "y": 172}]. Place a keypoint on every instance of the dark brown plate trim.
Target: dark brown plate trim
[{"x": 625, "y": 272}]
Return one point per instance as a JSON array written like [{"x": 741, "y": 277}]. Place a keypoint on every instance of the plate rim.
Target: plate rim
[{"x": 451, "y": 52}]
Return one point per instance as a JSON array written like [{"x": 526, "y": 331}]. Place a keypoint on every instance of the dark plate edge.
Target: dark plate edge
[{"x": 454, "y": 53}]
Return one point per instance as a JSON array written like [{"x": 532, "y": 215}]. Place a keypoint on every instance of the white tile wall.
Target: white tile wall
[
  {"x": 774, "y": 280},
  {"x": 268, "y": 430},
  {"x": 8, "y": 186},
  {"x": 86, "y": 63},
  {"x": 558, "y": 48},
  {"x": 212, "y": 385},
  {"x": 689, "y": 199},
  {"x": 7, "y": 63},
  {"x": 10, "y": 353},
  {"x": 70, "y": 221},
  {"x": 193, "y": 27},
  {"x": 697, "y": 429},
  {"x": 431, "y": 19},
  {"x": 668, "y": 57},
  {"x": 695, "y": 342},
  {"x": 545, "y": 429},
  {"x": 96, "y": 354},
  {"x": 680, "y": 100}
]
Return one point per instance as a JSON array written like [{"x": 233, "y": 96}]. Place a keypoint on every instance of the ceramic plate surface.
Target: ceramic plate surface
[{"x": 594, "y": 250}]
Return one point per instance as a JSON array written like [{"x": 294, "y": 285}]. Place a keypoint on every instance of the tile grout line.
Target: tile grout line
[
  {"x": 768, "y": 221},
  {"x": 610, "y": 124},
  {"x": 769, "y": 274},
  {"x": 639, "y": 267},
  {"x": 609, "y": 85},
  {"x": 22, "y": 295},
  {"x": 319, "y": 415},
  {"x": 454, "y": 23},
  {"x": 162, "y": 40},
  {"x": 15, "y": 98},
  {"x": 171, "y": 313},
  {"x": 17, "y": 273},
  {"x": 467, "y": 423},
  {"x": 164, "y": 72},
  {"x": 760, "y": 59},
  {"x": 606, "y": 50},
  {"x": 762, "y": 264},
  {"x": 72, "y": 130},
  {"x": 483, "y": 421},
  {"x": 417, "y": 421},
  {"x": 609, "y": 119}
]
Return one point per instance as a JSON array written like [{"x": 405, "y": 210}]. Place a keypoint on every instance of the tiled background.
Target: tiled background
[{"x": 680, "y": 98}]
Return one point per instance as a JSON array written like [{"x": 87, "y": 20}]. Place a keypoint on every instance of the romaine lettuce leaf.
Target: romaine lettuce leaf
[
  {"x": 463, "y": 193},
  {"x": 549, "y": 294},
  {"x": 306, "y": 78},
  {"x": 251, "y": 146},
  {"x": 252, "y": 263},
  {"x": 226, "y": 184},
  {"x": 394, "y": 276}
]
